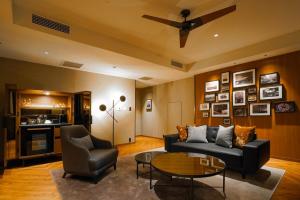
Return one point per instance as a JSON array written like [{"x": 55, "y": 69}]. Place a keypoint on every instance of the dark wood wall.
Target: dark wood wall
[{"x": 282, "y": 129}]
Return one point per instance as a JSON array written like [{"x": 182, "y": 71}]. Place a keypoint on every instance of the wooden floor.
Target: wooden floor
[{"x": 35, "y": 182}]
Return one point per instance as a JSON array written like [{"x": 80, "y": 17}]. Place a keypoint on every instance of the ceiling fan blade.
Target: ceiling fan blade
[
  {"x": 183, "y": 35},
  {"x": 164, "y": 21},
  {"x": 211, "y": 16}
]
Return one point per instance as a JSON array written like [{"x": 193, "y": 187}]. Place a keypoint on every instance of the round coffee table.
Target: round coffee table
[
  {"x": 145, "y": 158},
  {"x": 187, "y": 165}
]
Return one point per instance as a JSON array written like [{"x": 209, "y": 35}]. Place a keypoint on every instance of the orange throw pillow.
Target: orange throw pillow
[
  {"x": 182, "y": 133},
  {"x": 243, "y": 135}
]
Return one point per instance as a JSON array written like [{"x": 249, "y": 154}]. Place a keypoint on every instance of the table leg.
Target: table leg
[
  {"x": 224, "y": 181},
  {"x": 137, "y": 170},
  {"x": 150, "y": 176},
  {"x": 192, "y": 188}
]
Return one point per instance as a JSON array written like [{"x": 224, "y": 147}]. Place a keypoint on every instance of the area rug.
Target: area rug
[{"x": 123, "y": 184}]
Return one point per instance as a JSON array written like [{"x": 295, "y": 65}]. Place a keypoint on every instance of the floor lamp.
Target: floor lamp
[{"x": 111, "y": 113}]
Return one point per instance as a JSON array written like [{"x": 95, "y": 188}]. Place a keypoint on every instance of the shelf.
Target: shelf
[{"x": 44, "y": 108}]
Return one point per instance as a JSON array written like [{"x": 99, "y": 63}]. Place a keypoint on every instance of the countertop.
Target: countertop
[{"x": 42, "y": 125}]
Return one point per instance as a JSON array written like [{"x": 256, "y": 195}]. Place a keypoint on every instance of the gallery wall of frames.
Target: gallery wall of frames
[{"x": 263, "y": 93}]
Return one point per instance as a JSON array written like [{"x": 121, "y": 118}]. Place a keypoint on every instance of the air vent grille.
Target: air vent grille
[
  {"x": 145, "y": 78},
  {"x": 42, "y": 21},
  {"x": 176, "y": 64},
  {"x": 72, "y": 64}
]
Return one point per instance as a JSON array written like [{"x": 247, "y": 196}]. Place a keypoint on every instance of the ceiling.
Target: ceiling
[{"x": 108, "y": 33}]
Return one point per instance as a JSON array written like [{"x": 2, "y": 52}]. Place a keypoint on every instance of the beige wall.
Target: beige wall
[
  {"x": 104, "y": 88},
  {"x": 138, "y": 111},
  {"x": 155, "y": 123}
]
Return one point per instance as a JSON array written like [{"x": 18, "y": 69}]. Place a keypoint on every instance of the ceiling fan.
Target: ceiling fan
[{"x": 187, "y": 25}]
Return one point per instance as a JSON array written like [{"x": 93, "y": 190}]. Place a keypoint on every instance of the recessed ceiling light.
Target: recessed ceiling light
[
  {"x": 47, "y": 93},
  {"x": 216, "y": 35},
  {"x": 46, "y": 52}
]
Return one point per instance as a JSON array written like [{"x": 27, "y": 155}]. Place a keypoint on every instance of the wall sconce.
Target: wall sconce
[{"x": 111, "y": 113}]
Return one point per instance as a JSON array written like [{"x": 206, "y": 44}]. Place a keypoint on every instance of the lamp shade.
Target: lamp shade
[
  {"x": 102, "y": 107},
  {"x": 122, "y": 98}
]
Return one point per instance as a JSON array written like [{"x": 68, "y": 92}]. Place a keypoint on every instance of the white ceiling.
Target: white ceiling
[{"x": 107, "y": 33}]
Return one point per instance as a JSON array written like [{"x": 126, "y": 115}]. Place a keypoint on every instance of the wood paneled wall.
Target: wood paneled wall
[{"x": 282, "y": 129}]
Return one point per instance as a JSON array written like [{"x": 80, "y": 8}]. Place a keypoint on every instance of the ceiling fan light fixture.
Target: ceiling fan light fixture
[{"x": 216, "y": 35}]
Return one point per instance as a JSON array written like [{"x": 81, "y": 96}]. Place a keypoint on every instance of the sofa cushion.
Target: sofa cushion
[
  {"x": 243, "y": 135},
  {"x": 182, "y": 132},
  {"x": 85, "y": 142},
  {"x": 197, "y": 134},
  {"x": 211, "y": 133},
  {"x": 101, "y": 157},
  {"x": 233, "y": 157},
  {"x": 224, "y": 136}
]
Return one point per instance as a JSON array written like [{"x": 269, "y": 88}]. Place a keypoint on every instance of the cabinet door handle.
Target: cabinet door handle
[{"x": 38, "y": 129}]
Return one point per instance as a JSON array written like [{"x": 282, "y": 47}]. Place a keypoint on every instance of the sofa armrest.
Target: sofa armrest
[
  {"x": 101, "y": 144},
  {"x": 256, "y": 154},
  {"x": 169, "y": 140}
]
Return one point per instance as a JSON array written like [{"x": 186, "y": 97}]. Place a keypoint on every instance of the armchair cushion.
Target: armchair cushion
[
  {"x": 85, "y": 142},
  {"x": 101, "y": 157}
]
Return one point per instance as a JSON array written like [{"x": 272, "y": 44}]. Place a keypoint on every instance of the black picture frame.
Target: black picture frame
[
  {"x": 225, "y": 88},
  {"x": 209, "y": 98},
  {"x": 269, "y": 79},
  {"x": 254, "y": 111},
  {"x": 244, "y": 78},
  {"x": 216, "y": 83},
  {"x": 285, "y": 107},
  {"x": 240, "y": 111},
  {"x": 263, "y": 91},
  {"x": 249, "y": 96},
  {"x": 252, "y": 90}
]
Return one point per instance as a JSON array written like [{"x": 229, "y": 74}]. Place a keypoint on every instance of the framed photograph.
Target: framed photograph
[
  {"x": 226, "y": 121},
  {"x": 220, "y": 109},
  {"x": 210, "y": 97},
  {"x": 212, "y": 86},
  {"x": 223, "y": 96},
  {"x": 225, "y": 77},
  {"x": 240, "y": 112},
  {"x": 251, "y": 90},
  {"x": 244, "y": 78},
  {"x": 205, "y": 114},
  {"x": 149, "y": 104},
  {"x": 225, "y": 88},
  {"x": 285, "y": 107},
  {"x": 271, "y": 78},
  {"x": 239, "y": 98},
  {"x": 260, "y": 109},
  {"x": 204, "y": 106},
  {"x": 252, "y": 97},
  {"x": 271, "y": 92}
]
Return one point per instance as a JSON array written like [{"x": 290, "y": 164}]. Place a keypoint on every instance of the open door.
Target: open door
[{"x": 82, "y": 109}]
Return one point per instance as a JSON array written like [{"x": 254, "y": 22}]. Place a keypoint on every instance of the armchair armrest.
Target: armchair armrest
[
  {"x": 75, "y": 158},
  {"x": 256, "y": 154},
  {"x": 101, "y": 144},
  {"x": 169, "y": 140}
]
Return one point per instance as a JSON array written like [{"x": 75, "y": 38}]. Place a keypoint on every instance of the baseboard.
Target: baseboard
[
  {"x": 286, "y": 158},
  {"x": 149, "y": 136}
]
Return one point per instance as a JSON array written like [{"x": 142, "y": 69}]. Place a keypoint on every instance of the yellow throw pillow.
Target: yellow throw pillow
[
  {"x": 243, "y": 135},
  {"x": 182, "y": 133}
]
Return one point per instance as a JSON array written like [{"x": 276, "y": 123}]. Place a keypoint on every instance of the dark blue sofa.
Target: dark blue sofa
[{"x": 247, "y": 160}]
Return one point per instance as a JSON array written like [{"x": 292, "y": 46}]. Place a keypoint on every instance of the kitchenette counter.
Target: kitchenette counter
[{"x": 43, "y": 125}]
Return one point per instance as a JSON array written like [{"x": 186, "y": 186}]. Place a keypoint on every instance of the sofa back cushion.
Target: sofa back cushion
[
  {"x": 182, "y": 133},
  {"x": 197, "y": 134},
  {"x": 211, "y": 133},
  {"x": 85, "y": 142},
  {"x": 224, "y": 137},
  {"x": 243, "y": 135}
]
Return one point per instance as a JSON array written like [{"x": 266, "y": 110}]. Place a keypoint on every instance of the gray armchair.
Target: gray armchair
[{"x": 84, "y": 154}]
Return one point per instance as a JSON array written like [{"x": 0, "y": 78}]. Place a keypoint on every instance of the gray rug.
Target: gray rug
[{"x": 122, "y": 184}]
